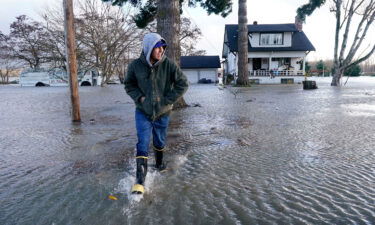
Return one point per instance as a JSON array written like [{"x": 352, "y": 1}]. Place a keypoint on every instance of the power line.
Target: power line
[{"x": 212, "y": 45}]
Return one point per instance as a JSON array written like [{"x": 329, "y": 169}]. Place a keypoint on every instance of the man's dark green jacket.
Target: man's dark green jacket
[{"x": 161, "y": 85}]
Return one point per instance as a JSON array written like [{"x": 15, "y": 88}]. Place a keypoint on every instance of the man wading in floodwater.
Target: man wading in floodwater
[{"x": 155, "y": 83}]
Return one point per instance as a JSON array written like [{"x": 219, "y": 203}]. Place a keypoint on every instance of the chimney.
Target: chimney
[
  {"x": 255, "y": 23},
  {"x": 298, "y": 22}
]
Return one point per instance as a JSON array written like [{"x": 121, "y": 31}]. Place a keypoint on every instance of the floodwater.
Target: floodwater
[{"x": 269, "y": 154}]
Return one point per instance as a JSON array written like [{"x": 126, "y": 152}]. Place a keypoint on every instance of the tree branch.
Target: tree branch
[
  {"x": 346, "y": 32},
  {"x": 356, "y": 44},
  {"x": 361, "y": 59}
]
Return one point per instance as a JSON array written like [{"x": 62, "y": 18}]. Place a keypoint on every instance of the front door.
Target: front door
[{"x": 257, "y": 63}]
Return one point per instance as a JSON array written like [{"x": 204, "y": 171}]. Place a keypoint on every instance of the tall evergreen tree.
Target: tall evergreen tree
[
  {"x": 320, "y": 66},
  {"x": 243, "y": 74},
  {"x": 353, "y": 71},
  {"x": 308, "y": 8}
]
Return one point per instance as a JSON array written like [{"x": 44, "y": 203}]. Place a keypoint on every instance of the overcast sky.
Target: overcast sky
[{"x": 319, "y": 27}]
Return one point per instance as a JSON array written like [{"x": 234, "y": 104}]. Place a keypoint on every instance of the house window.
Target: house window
[
  {"x": 282, "y": 61},
  {"x": 271, "y": 39}
]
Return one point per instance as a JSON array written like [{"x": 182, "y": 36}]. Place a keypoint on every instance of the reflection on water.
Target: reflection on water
[{"x": 272, "y": 154}]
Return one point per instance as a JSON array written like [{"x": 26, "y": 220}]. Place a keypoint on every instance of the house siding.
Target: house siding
[
  {"x": 231, "y": 63},
  {"x": 225, "y": 46}
]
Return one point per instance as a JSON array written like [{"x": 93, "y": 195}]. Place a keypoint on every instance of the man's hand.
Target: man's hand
[{"x": 142, "y": 99}]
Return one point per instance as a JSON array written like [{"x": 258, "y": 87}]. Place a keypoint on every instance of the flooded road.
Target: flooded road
[{"x": 269, "y": 154}]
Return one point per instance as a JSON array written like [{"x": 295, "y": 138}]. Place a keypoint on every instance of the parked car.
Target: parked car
[
  {"x": 57, "y": 77},
  {"x": 37, "y": 78}
]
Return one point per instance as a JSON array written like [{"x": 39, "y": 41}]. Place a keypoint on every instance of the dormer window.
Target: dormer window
[{"x": 271, "y": 38}]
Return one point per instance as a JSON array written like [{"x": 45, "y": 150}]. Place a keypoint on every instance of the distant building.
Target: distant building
[
  {"x": 276, "y": 52},
  {"x": 200, "y": 67}
]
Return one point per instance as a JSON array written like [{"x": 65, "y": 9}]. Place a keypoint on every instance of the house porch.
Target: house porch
[{"x": 275, "y": 67}]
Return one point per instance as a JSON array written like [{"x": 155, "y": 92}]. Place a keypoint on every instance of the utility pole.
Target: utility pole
[{"x": 71, "y": 59}]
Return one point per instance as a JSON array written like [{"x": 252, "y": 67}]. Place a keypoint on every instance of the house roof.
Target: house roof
[
  {"x": 191, "y": 62},
  {"x": 286, "y": 27},
  {"x": 300, "y": 42}
]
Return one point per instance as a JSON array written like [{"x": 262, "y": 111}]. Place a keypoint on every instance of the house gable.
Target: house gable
[{"x": 293, "y": 40}]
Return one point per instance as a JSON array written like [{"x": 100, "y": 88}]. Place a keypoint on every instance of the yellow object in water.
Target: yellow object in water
[
  {"x": 138, "y": 189},
  {"x": 112, "y": 197}
]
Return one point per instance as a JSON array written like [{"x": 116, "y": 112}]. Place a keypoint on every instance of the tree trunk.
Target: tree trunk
[
  {"x": 243, "y": 74},
  {"x": 336, "y": 65},
  {"x": 168, "y": 26},
  {"x": 72, "y": 59},
  {"x": 336, "y": 78},
  {"x": 2, "y": 76}
]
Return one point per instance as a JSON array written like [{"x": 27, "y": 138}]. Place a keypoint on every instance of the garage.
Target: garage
[
  {"x": 192, "y": 75},
  {"x": 200, "y": 67}
]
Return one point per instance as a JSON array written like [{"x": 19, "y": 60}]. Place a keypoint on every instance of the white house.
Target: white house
[
  {"x": 276, "y": 52},
  {"x": 200, "y": 68}
]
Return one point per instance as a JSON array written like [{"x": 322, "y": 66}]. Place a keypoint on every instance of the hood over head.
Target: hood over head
[{"x": 149, "y": 42}]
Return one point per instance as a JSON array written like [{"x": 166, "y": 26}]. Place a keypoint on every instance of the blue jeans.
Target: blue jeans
[{"x": 145, "y": 127}]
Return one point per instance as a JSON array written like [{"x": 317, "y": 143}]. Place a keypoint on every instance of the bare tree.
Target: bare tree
[
  {"x": 28, "y": 42},
  {"x": 4, "y": 74},
  {"x": 106, "y": 37},
  {"x": 54, "y": 26},
  {"x": 106, "y": 33},
  {"x": 189, "y": 49},
  {"x": 6, "y": 68},
  {"x": 344, "y": 59},
  {"x": 189, "y": 35},
  {"x": 53, "y": 20},
  {"x": 346, "y": 54},
  {"x": 368, "y": 66},
  {"x": 8, "y": 64},
  {"x": 4, "y": 58}
]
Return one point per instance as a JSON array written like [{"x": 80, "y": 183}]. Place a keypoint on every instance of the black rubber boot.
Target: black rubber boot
[
  {"x": 159, "y": 165},
  {"x": 141, "y": 170},
  {"x": 141, "y": 173}
]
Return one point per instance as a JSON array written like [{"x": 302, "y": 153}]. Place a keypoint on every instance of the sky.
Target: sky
[{"x": 319, "y": 27}]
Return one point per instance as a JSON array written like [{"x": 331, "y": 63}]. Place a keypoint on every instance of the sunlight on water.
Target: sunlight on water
[
  {"x": 360, "y": 109},
  {"x": 178, "y": 161}
]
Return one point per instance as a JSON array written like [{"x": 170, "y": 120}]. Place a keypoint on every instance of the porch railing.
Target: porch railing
[{"x": 275, "y": 73}]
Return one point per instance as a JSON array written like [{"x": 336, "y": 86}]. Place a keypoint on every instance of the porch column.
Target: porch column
[
  {"x": 269, "y": 62},
  {"x": 249, "y": 66},
  {"x": 236, "y": 66},
  {"x": 303, "y": 65}
]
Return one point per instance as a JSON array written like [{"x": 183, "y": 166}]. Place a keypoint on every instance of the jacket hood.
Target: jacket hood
[{"x": 149, "y": 42}]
